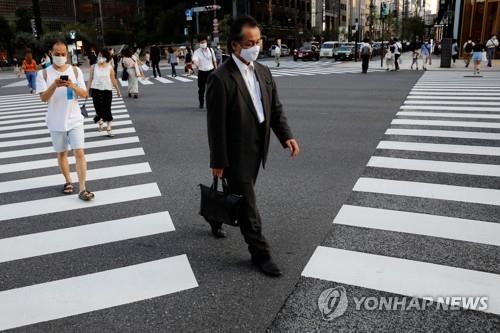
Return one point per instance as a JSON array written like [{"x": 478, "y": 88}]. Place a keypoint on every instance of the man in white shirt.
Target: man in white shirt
[
  {"x": 277, "y": 53},
  {"x": 60, "y": 85},
  {"x": 398, "y": 48},
  {"x": 491, "y": 44},
  {"x": 242, "y": 108},
  {"x": 204, "y": 59}
]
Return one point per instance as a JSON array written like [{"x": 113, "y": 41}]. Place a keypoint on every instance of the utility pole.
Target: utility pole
[
  {"x": 372, "y": 6},
  {"x": 235, "y": 9}
]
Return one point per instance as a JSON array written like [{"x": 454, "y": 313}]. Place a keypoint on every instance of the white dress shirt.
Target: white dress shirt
[
  {"x": 204, "y": 59},
  {"x": 248, "y": 73}
]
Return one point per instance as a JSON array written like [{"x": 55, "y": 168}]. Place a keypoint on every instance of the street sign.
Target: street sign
[
  {"x": 208, "y": 8},
  {"x": 189, "y": 13}
]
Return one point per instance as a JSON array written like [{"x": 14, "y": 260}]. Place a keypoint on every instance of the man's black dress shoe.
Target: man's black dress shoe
[
  {"x": 267, "y": 267},
  {"x": 217, "y": 231}
]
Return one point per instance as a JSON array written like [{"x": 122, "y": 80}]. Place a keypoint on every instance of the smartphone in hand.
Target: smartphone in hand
[{"x": 64, "y": 77}]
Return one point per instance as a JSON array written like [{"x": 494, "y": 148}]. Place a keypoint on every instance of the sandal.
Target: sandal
[
  {"x": 110, "y": 133},
  {"x": 86, "y": 195},
  {"x": 67, "y": 188},
  {"x": 101, "y": 123}
]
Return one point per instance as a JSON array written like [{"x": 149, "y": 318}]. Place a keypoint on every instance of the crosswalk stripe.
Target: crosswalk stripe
[
  {"x": 43, "y": 243},
  {"x": 475, "y": 169},
  {"x": 425, "y": 122},
  {"x": 436, "y": 102},
  {"x": 444, "y": 134},
  {"x": 90, "y": 110},
  {"x": 123, "y": 83},
  {"x": 449, "y": 108},
  {"x": 46, "y": 131},
  {"x": 95, "y": 291},
  {"x": 467, "y": 230},
  {"x": 43, "y": 110},
  {"x": 19, "y": 97},
  {"x": 451, "y": 93},
  {"x": 43, "y": 124},
  {"x": 36, "y": 100},
  {"x": 440, "y": 148},
  {"x": 145, "y": 82},
  {"x": 52, "y": 162},
  {"x": 41, "y": 116},
  {"x": 71, "y": 202},
  {"x": 463, "y": 86},
  {"x": 401, "y": 276},
  {"x": 38, "y": 103},
  {"x": 163, "y": 80},
  {"x": 50, "y": 149},
  {"x": 455, "y": 98},
  {"x": 476, "y": 195},
  {"x": 479, "y": 90},
  {"x": 92, "y": 174},
  {"x": 24, "y": 142},
  {"x": 180, "y": 78},
  {"x": 448, "y": 114}
]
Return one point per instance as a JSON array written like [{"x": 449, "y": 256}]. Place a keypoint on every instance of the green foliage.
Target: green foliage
[
  {"x": 6, "y": 34},
  {"x": 23, "y": 19},
  {"x": 48, "y": 40},
  {"x": 413, "y": 28},
  {"x": 25, "y": 40}
]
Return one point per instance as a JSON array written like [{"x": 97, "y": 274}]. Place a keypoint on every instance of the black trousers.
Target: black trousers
[
  {"x": 102, "y": 103},
  {"x": 156, "y": 67},
  {"x": 365, "y": 60},
  {"x": 202, "y": 85},
  {"x": 396, "y": 61}
]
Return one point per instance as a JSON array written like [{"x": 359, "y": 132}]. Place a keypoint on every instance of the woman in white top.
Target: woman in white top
[
  {"x": 132, "y": 67},
  {"x": 101, "y": 83}
]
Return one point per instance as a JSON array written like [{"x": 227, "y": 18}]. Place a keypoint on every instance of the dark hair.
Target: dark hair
[
  {"x": 58, "y": 42},
  {"x": 237, "y": 28},
  {"x": 105, "y": 53},
  {"x": 170, "y": 49},
  {"x": 453, "y": 40},
  {"x": 126, "y": 53},
  {"x": 202, "y": 37},
  {"x": 366, "y": 40}
]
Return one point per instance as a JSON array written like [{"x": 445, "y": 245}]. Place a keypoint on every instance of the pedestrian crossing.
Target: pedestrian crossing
[
  {"x": 128, "y": 202},
  {"x": 425, "y": 212}
]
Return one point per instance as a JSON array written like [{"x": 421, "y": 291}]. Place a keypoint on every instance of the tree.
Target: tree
[
  {"x": 412, "y": 28},
  {"x": 26, "y": 40},
  {"x": 6, "y": 34},
  {"x": 23, "y": 19}
]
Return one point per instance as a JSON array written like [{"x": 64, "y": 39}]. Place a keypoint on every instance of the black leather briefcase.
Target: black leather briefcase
[{"x": 220, "y": 206}]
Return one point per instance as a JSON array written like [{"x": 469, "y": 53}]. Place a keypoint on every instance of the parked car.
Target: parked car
[
  {"x": 308, "y": 51},
  {"x": 344, "y": 53},
  {"x": 327, "y": 49},
  {"x": 285, "y": 51}
]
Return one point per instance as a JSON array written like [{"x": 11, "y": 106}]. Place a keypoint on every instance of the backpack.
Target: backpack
[
  {"x": 468, "y": 47},
  {"x": 392, "y": 48},
  {"x": 365, "y": 50}
]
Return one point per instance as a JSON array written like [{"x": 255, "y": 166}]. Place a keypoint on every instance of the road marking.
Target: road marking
[
  {"x": 420, "y": 224},
  {"x": 424, "y": 122},
  {"x": 96, "y": 291},
  {"x": 163, "y": 80},
  {"x": 24, "y": 142},
  {"x": 123, "y": 83},
  {"x": 43, "y": 109},
  {"x": 401, "y": 276},
  {"x": 180, "y": 78},
  {"x": 432, "y": 93},
  {"x": 52, "y": 162},
  {"x": 457, "y": 97},
  {"x": 70, "y": 202},
  {"x": 117, "y": 108},
  {"x": 449, "y": 108},
  {"x": 440, "y": 148},
  {"x": 46, "y": 131},
  {"x": 36, "y": 117},
  {"x": 430, "y": 191},
  {"x": 145, "y": 82},
  {"x": 448, "y": 114},
  {"x": 449, "y": 102},
  {"x": 92, "y": 174},
  {"x": 475, "y": 169},
  {"x": 444, "y": 134},
  {"x": 68, "y": 239}
]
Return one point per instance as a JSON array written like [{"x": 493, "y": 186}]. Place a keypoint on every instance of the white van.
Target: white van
[{"x": 327, "y": 48}]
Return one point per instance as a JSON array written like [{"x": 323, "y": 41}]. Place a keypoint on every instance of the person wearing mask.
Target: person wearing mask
[
  {"x": 454, "y": 51},
  {"x": 468, "y": 49},
  {"x": 45, "y": 61},
  {"x": 130, "y": 65},
  {"x": 204, "y": 60},
  {"x": 242, "y": 108},
  {"x": 92, "y": 57},
  {"x": 59, "y": 86},
  {"x": 101, "y": 82},
  {"x": 477, "y": 55},
  {"x": 398, "y": 48},
  {"x": 172, "y": 60},
  {"x": 366, "y": 53},
  {"x": 188, "y": 61},
  {"x": 425, "y": 51},
  {"x": 491, "y": 44},
  {"x": 155, "y": 59},
  {"x": 218, "y": 55},
  {"x": 29, "y": 68}
]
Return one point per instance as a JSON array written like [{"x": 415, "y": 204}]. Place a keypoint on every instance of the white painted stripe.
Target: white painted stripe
[
  {"x": 16, "y": 84},
  {"x": 67, "y": 239},
  {"x": 432, "y": 93},
  {"x": 402, "y": 276},
  {"x": 92, "y": 174},
  {"x": 455, "y": 98},
  {"x": 46, "y": 131},
  {"x": 43, "y": 110},
  {"x": 180, "y": 78},
  {"x": 475, "y": 169},
  {"x": 449, "y": 114},
  {"x": 449, "y": 108},
  {"x": 50, "y": 149},
  {"x": 145, "y": 81},
  {"x": 457, "y": 90},
  {"x": 23, "y": 116},
  {"x": 94, "y": 291},
  {"x": 449, "y": 102},
  {"x": 475, "y": 195},
  {"x": 459, "y": 86},
  {"x": 52, "y": 162},
  {"x": 444, "y": 134},
  {"x": 282, "y": 73},
  {"x": 70, "y": 202},
  {"x": 163, "y": 80},
  {"x": 24, "y": 142},
  {"x": 440, "y": 148},
  {"x": 38, "y": 103},
  {"x": 474, "y": 124},
  {"x": 17, "y": 96},
  {"x": 42, "y": 124},
  {"x": 123, "y": 83}
]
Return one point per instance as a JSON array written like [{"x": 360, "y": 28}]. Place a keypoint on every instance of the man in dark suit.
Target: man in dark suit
[
  {"x": 155, "y": 53},
  {"x": 242, "y": 108}
]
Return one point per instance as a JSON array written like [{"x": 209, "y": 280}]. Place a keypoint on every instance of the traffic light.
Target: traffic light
[{"x": 384, "y": 9}]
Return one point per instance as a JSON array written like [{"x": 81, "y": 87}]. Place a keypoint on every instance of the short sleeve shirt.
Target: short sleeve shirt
[{"x": 63, "y": 114}]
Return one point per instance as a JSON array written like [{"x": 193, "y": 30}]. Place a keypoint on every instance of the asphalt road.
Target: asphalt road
[{"x": 338, "y": 121}]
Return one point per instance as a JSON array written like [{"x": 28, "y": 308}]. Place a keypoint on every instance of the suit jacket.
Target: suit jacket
[
  {"x": 155, "y": 53},
  {"x": 237, "y": 141}
]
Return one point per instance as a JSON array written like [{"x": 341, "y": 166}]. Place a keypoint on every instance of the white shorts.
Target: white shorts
[{"x": 74, "y": 138}]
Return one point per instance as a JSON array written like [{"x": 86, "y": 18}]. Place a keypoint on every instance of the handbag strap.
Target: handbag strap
[{"x": 225, "y": 185}]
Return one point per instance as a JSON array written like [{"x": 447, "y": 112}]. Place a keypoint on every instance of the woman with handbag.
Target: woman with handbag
[
  {"x": 172, "y": 60},
  {"x": 101, "y": 83},
  {"x": 133, "y": 73}
]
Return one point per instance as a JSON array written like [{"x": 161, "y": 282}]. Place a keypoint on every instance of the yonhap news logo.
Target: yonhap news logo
[{"x": 333, "y": 303}]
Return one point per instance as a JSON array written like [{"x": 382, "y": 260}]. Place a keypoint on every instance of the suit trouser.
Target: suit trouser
[
  {"x": 490, "y": 52},
  {"x": 396, "y": 61},
  {"x": 365, "y": 60},
  {"x": 202, "y": 85},
  {"x": 156, "y": 67}
]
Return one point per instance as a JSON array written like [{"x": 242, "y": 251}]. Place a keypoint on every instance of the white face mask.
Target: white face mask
[
  {"x": 250, "y": 54},
  {"x": 203, "y": 45},
  {"x": 59, "y": 61},
  {"x": 101, "y": 60}
]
